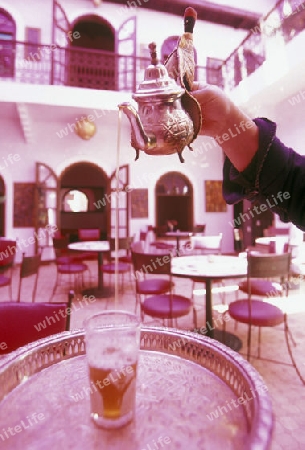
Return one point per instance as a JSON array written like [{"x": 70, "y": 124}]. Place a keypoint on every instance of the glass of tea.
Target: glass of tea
[{"x": 112, "y": 350}]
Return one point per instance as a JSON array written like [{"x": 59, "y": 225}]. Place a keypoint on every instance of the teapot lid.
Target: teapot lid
[{"x": 157, "y": 82}]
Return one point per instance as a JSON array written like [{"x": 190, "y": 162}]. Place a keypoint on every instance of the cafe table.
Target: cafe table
[
  {"x": 208, "y": 269},
  {"x": 178, "y": 235},
  {"x": 99, "y": 247},
  {"x": 192, "y": 393}
]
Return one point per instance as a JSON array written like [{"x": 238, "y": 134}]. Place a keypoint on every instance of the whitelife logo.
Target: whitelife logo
[
  {"x": 235, "y": 403},
  {"x": 63, "y": 313},
  {"x": 296, "y": 99},
  {"x": 30, "y": 421},
  {"x": 271, "y": 202}
]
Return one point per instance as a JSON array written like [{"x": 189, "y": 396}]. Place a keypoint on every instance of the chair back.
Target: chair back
[
  {"x": 124, "y": 243},
  {"x": 268, "y": 265},
  {"x": 89, "y": 234},
  {"x": 207, "y": 244},
  {"x": 60, "y": 245},
  {"x": 29, "y": 266},
  {"x": 151, "y": 264},
  {"x": 22, "y": 323}
]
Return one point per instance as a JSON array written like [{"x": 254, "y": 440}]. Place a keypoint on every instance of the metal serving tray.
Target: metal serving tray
[{"x": 192, "y": 393}]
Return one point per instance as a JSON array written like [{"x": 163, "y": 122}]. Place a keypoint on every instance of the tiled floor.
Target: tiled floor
[{"x": 285, "y": 388}]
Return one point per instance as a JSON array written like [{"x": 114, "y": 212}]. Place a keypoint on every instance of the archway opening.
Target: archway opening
[
  {"x": 83, "y": 197},
  {"x": 174, "y": 201},
  {"x": 94, "y": 68}
]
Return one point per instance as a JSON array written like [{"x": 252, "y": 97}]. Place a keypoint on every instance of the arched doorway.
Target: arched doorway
[
  {"x": 2, "y": 207},
  {"x": 174, "y": 201},
  {"x": 83, "y": 190},
  {"x": 7, "y": 44},
  {"x": 94, "y": 68}
]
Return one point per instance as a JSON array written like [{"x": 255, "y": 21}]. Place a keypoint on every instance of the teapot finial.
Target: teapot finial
[{"x": 153, "y": 53}]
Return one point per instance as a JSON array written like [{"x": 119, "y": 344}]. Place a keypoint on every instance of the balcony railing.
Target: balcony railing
[
  {"x": 25, "y": 62},
  {"x": 285, "y": 21},
  {"x": 72, "y": 66}
]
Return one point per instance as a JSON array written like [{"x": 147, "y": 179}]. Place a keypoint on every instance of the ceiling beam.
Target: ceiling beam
[{"x": 210, "y": 12}]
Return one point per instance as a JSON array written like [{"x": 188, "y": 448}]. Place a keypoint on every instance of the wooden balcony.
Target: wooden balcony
[{"x": 79, "y": 67}]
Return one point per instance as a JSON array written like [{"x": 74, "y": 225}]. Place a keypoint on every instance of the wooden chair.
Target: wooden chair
[
  {"x": 265, "y": 287},
  {"x": 7, "y": 257},
  {"x": 25, "y": 322},
  {"x": 124, "y": 247},
  {"x": 263, "y": 313},
  {"x": 159, "y": 299},
  {"x": 62, "y": 253},
  {"x": 124, "y": 258},
  {"x": 87, "y": 234},
  {"x": 67, "y": 263},
  {"x": 146, "y": 283},
  {"x": 29, "y": 267}
]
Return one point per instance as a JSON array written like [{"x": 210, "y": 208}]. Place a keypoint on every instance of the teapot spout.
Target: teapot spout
[{"x": 139, "y": 139}]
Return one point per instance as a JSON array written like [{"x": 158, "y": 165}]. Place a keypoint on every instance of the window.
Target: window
[{"x": 75, "y": 201}]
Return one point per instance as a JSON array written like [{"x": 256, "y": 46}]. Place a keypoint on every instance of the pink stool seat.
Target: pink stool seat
[
  {"x": 154, "y": 286},
  {"x": 262, "y": 287},
  {"x": 165, "y": 307},
  {"x": 263, "y": 314},
  {"x": 72, "y": 269}
]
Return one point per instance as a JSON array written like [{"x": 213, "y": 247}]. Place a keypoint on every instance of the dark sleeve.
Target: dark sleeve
[{"x": 275, "y": 178}]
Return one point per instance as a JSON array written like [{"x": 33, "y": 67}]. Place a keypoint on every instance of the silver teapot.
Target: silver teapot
[{"x": 161, "y": 126}]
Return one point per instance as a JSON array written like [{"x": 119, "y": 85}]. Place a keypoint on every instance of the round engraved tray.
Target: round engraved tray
[{"x": 192, "y": 393}]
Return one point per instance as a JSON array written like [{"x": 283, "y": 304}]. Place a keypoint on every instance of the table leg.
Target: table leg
[
  {"x": 177, "y": 245},
  {"x": 100, "y": 291},
  {"x": 222, "y": 336},
  {"x": 208, "y": 308},
  {"x": 99, "y": 271}
]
